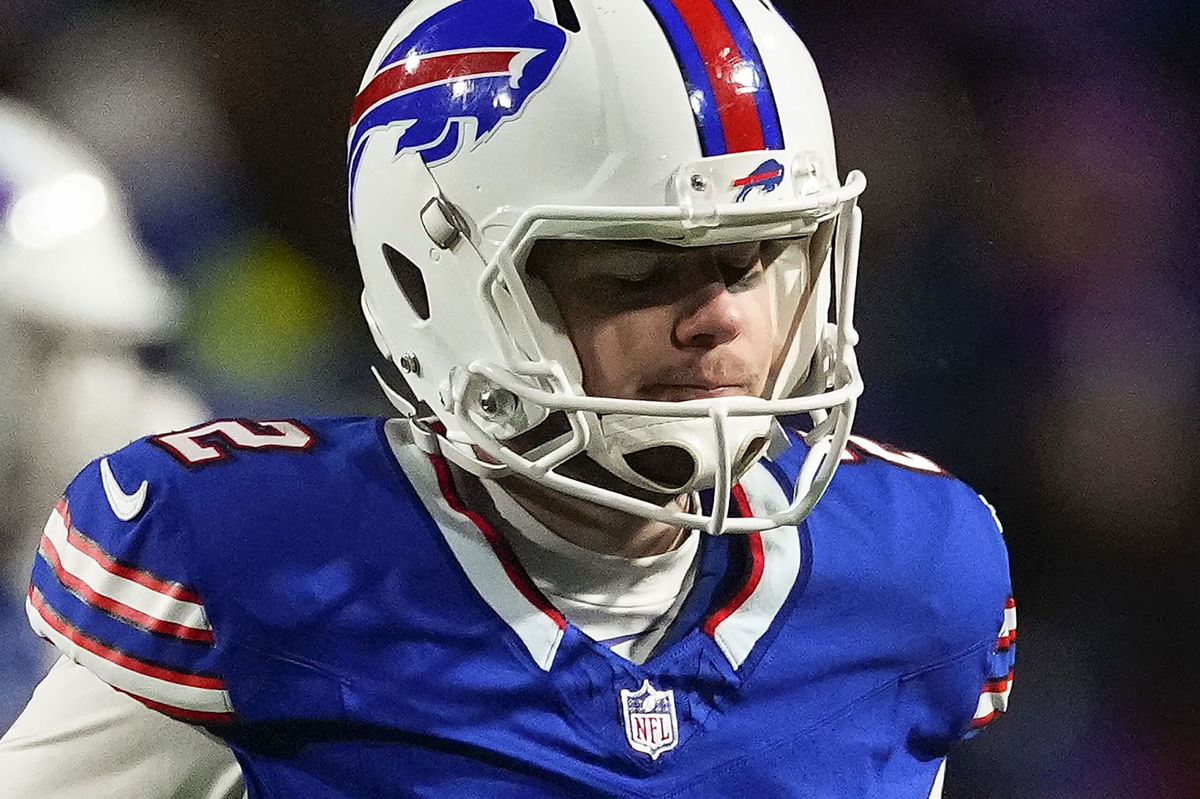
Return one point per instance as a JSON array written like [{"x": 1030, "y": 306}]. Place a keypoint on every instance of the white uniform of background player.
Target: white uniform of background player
[{"x": 78, "y": 297}]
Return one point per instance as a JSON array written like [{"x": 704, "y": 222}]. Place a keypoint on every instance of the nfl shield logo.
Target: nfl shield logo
[{"x": 650, "y": 724}]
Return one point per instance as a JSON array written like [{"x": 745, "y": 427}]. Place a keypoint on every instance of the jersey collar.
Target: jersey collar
[{"x": 773, "y": 562}]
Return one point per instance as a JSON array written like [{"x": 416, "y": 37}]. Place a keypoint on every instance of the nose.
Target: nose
[{"x": 708, "y": 316}]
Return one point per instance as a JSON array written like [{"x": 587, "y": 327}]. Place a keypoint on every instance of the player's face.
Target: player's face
[{"x": 655, "y": 322}]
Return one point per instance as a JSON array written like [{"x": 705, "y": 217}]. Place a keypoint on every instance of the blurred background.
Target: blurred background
[{"x": 1028, "y": 300}]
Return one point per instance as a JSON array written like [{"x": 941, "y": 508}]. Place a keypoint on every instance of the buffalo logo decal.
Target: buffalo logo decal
[
  {"x": 766, "y": 176},
  {"x": 456, "y": 78}
]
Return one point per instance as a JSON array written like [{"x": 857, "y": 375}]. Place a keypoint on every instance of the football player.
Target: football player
[
  {"x": 600, "y": 551},
  {"x": 78, "y": 299}
]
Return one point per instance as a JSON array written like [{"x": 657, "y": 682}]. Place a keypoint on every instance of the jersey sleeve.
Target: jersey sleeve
[{"x": 118, "y": 597}]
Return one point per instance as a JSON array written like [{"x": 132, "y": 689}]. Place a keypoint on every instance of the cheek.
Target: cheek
[{"x": 616, "y": 352}]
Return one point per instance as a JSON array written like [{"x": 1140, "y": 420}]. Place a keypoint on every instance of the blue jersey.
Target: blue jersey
[{"x": 320, "y": 594}]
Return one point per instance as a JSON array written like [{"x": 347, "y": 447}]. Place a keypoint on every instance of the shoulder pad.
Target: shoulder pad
[
  {"x": 118, "y": 584},
  {"x": 900, "y": 531}
]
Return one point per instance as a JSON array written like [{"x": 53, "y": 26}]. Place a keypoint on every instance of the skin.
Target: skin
[{"x": 653, "y": 322}]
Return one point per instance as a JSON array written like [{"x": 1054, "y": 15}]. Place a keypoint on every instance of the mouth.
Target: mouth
[{"x": 681, "y": 392}]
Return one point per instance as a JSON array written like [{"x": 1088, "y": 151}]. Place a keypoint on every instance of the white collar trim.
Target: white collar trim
[
  {"x": 501, "y": 583},
  {"x": 738, "y": 626}
]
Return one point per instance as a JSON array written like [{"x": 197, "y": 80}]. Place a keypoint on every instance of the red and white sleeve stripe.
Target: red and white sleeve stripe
[
  {"x": 144, "y": 608},
  {"x": 993, "y": 700},
  {"x": 193, "y": 697},
  {"x": 137, "y": 597}
]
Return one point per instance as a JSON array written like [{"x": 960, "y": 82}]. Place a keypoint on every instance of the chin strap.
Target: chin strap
[
  {"x": 431, "y": 438},
  {"x": 398, "y": 400}
]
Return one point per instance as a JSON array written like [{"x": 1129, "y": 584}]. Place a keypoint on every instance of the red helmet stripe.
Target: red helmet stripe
[
  {"x": 438, "y": 68},
  {"x": 735, "y": 102}
]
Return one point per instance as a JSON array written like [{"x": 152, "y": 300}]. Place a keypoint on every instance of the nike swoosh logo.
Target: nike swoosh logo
[{"x": 125, "y": 506}]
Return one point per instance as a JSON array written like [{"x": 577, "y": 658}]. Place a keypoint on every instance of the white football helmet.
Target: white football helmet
[
  {"x": 482, "y": 126},
  {"x": 78, "y": 297},
  {"x": 67, "y": 256}
]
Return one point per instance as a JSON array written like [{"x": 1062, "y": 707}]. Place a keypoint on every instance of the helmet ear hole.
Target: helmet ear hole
[{"x": 410, "y": 280}]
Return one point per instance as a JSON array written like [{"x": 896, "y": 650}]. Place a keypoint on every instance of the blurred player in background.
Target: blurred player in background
[
  {"x": 80, "y": 302},
  {"x": 607, "y": 246}
]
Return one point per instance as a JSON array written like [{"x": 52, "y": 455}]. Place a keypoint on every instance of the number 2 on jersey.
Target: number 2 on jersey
[{"x": 213, "y": 441}]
